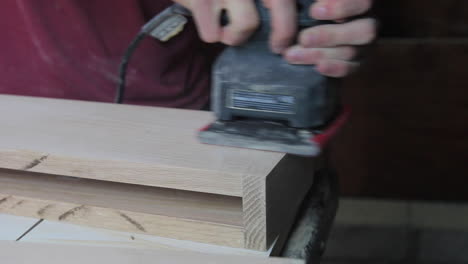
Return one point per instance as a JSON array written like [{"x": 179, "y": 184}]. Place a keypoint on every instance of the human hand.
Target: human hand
[
  {"x": 243, "y": 19},
  {"x": 330, "y": 47}
]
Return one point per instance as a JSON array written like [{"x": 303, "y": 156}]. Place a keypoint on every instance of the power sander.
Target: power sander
[{"x": 261, "y": 101}]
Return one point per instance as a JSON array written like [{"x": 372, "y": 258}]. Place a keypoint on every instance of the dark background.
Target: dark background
[{"x": 408, "y": 135}]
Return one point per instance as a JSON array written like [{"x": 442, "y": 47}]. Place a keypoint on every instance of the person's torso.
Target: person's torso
[{"x": 72, "y": 49}]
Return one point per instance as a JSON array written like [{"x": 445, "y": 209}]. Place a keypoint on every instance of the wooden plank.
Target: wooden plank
[
  {"x": 49, "y": 232},
  {"x": 57, "y": 254},
  {"x": 149, "y": 210},
  {"x": 176, "y": 214},
  {"x": 117, "y": 145},
  {"x": 219, "y": 209},
  {"x": 122, "y": 143},
  {"x": 129, "y": 221},
  {"x": 12, "y": 227}
]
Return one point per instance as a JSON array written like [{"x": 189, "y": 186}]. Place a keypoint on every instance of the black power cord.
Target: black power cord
[
  {"x": 163, "y": 26},
  {"x": 124, "y": 67}
]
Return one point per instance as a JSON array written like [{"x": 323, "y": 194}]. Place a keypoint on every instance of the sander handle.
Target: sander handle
[{"x": 303, "y": 19}]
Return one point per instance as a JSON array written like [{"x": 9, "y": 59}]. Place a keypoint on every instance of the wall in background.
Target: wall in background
[
  {"x": 423, "y": 18},
  {"x": 408, "y": 136}
]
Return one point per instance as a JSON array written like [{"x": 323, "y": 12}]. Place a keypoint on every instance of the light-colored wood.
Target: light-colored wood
[
  {"x": 49, "y": 232},
  {"x": 122, "y": 143},
  {"x": 226, "y": 196},
  {"x": 222, "y": 220},
  {"x": 12, "y": 227},
  {"x": 175, "y": 214},
  {"x": 19, "y": 253},
  {"x": 218, "y": 209},
  {"x": 126, "y": 221}
]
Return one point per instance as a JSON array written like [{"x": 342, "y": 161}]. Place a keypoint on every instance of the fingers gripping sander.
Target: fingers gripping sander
[{"x": 263, "y": 102}]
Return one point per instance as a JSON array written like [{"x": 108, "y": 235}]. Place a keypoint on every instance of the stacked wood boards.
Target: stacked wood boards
[{"x": 141, "y": 169}]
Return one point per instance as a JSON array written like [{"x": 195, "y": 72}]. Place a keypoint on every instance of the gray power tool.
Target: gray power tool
[{"x": 263, "y": 102}]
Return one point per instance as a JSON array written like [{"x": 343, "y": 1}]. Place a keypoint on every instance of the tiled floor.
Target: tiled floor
[{"x": 399, "y": 232}]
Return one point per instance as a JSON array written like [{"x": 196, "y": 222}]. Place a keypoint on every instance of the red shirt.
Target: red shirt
[{"x": 72, "y": 49}]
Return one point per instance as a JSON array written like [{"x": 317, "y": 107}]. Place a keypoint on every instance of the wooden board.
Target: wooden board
[
  {"x": 130, "y": 144},
  {"x": 194, "y": 206},
  {"x": 264, "y": 215},
  {"x": 141, "y": 169},
  {"x": 148, "y": 210},
  {"x": 12, "y": 227},
  {"x": 49, "y": 232},
  {"x": 16, "y": 253}
]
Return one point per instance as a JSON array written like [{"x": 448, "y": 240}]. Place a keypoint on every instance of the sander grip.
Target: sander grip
[{"x": 304, "y": 20}]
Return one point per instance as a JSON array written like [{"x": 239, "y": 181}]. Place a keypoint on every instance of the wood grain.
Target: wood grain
[
  {"x": 141, "y": 169},
  {"x": 254, "y": 204},
  {"x": 58, "y": 254},
  {"x": 140, "y": 209},
  {"x": 255, "y": 222},
  {"x": 122, "y": 143},
  {"x": 62, "y": 233},
  {"x": 143, "y": 199},
  {"x": 128, "y": 221}
]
